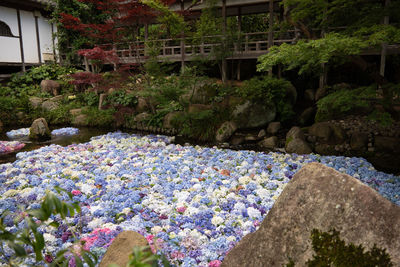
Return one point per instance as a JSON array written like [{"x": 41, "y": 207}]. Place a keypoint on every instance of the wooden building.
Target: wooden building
[{"x": 26, "y": 34}]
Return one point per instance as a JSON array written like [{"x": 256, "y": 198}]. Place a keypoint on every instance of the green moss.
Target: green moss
[
  {"x": 330, "y": 250},
  {"x": 288, "y": 140}
]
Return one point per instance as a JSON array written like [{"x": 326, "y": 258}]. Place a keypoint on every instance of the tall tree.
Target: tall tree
[{"x": 336, "y": 31}]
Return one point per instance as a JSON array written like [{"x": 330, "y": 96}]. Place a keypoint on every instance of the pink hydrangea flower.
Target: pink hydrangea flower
[
  {"x": 214, "y": 263},
  {"x": 76, "y": 192},
  {"x": 181, "y": 209}
]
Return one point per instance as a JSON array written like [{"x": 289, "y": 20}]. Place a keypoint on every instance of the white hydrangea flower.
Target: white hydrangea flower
[
  {"x": 216, "y": 220},
  {"x": 253, "y": 213}
]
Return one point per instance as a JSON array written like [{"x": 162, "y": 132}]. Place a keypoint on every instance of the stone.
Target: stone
[
  {"x": 50, "y": 86},
  {"x": 359, "y": 141},
  {"x": 57, "y": 98},
  {"x": 167, "y": 121},
  {"x": 122, "y": 246},
  {"x": 195, "y": 108},
  {"x": 320, "y": 93},
  {"x": 298, "y": 146},
  {"x": 250, "y": 138},
  {"x": 142, "y": 117},
  {"x": 80, "y": 120},
  {"x": 75, "y": 112},
  {"x": 269, "y": 143},
  {"x": 322, "y": 130},
  {"x": 35, "y": 101},
  {"x": 325, "y": 149},
  {"x": 250, "y": 115},
  {"x": 338, "y": 134},
  {"x": 309, "y": 95},
  {"x": 319, "y": 197},
  {"x": 274, "y": 127},
  {"x": 261, "y": 134},
  {"x": 102, "y": 98},
  {"x": 307, "y": 116},
  {"x": 49, "y": 105},
  {"x": 40, "y": 130},
  {"x": 225, "y": 131},
  {"x": 295, "y": 133},
  {"x": 387, "y": 144},
  {"x": 21, "y": 115},
  {"x": 237, "y": 140},
  {"x": 142, "y": 105}
]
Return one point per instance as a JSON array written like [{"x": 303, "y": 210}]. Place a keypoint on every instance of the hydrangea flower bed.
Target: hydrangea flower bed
[
  {"x": 65, "y": 131},
  {"x": 192, "y": 203},
  {"x": 19, "y": 133},
  {"x": 24, "y": 132},
  {"x": 8, "y": 147}
]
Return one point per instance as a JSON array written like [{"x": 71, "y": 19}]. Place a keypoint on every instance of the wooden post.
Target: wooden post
[
  {"x": 182, "y": 42},
  {"x": 384, "y": 45},
  {"x": 271, "y": 28},
  {"x": 146, "y": 36},
  {"x": 224, "y": 66},
  {"x": 324, "y": 71},
  {"x": 239, "y": 46},
  {"x": 36, "y": 16},
  {"x": 21, "y": 44}
]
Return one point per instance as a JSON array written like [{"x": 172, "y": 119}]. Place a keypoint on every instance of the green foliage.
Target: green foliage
[
  {"x": 201, "y": 125},
  {"x": 267, "y": 90},
  {"x": 121, "y": 97},
  {"x": 330, "y": 250},
  {"x": 99, "y": 118},
  {"x": 168, "y": 18},
  {"x": 383, "y": 118},
  {"x": 308, "y": 56},
  {"x": 27, "y": 84},
  {"x": 344, "y": 101},
  {"x": 89, "y": 98},
  {"x": 30, "y": 236}
]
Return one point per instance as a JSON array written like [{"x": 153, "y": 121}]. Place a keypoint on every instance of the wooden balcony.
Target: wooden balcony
[{"x": 243, "y": 46}]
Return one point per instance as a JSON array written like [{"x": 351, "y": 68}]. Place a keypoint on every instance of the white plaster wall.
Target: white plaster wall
[
  {"x": 46, "y": 42},
  {"x": 9, "y": 16},
  {"x": 29, "y": 37},
  {"x": 9, "y": 46}
]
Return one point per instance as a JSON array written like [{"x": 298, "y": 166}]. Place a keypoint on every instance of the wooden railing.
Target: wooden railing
[{"x": 245, "y": 45}]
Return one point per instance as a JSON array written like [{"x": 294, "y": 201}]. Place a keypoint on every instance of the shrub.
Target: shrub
[
  {"x": 201, "y": 125},
  {"x": 266, "y": 90},
  {"x": 100, "y": 118},
  {"x": 343, "y": 102},
  {"x": 121, "y": 98},
  {"x": 28, "y": 82}
]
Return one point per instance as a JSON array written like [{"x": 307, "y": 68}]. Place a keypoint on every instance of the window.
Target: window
[{"x": 5, "y": 30}]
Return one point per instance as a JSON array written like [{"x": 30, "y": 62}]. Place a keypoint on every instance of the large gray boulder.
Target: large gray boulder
[
  {"x": 167, "y": 121},
  {"x": 50, "y": 86},
  {"x": 40, "y": 130},
  {"x": 50, "y": 105},
  {"x": 295, "y": 133},
  {"x": 122, "y": 246},
  {"x": 252, "y": 115},
  {"x": 225, "y": 131},
  {"x": 35, "y": 101},
  {"x": 80, "y": 120},
  {"x": 318, "y": 197},
  {"x": 269, "y": 143},
  {"x": 298, "y": 146}
]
